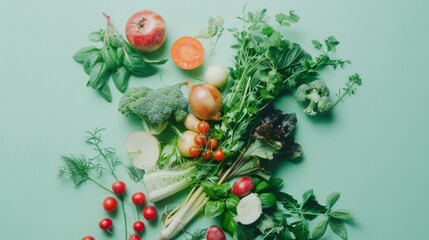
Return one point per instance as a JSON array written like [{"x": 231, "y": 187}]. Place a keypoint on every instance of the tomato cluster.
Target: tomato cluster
[
  {"x": 110, "y": 203},
  {"x": 206, "y": 146}
]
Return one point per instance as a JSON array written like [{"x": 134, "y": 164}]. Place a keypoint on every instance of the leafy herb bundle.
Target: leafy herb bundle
[{"x": 116, "y": 59}]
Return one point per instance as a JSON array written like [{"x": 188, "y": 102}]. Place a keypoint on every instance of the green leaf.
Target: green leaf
[
  {"x": 84, "y": 53},
  {"x": 320, "y": 229},
  {"x": 214, "y": 208},
  {"x": 105, "y": 92},
  {"x": 262, "y": 149},
  {"x": 267, "y": 199},
  {"x": 332, "y": 199},
  {"x": 155, "y": 62},
  {"x": 137, "y": 66},
  {"x": 243, "y": 233},
  {"x": 262, "y": 186},
  {"x": 306, "y": 196},
  {"x": 109, "y": 56},
  {"x": 213, "y": 190},
  {"x": 300, "y": 230},
  {"x": 317, "y": 45},
  {"x": 311, "y": 207},
  {"x": 288, "y": 201},
  {"x": 91, "y": 61},
  {"x": 331, "y": 43},
  {"x": 231, "y": 203},
  {"x": 338, "y": 227},
  {"x": 115, "y": 41},
  {"x": 228, "y": 223},
  {"x": 121, "y": 78},
  {"x": 342, "y": 214},
  {"x": 276, "y": 183},
  {"x": 265, "y": 223},
  {"x": 98, "y": 76},
  {"x": 95, "y": 36},
  {"x": 119, "y": 56},
  {"x": 288, "y": 58},
  {"x": 287, "y": 19}
]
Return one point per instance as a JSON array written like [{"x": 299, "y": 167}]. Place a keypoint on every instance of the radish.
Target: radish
[
  {"x": 242, "y": 186},
  {"x": 143, "y": 149},
  {"x": 215, "y": 233},
  {"x": 249, "y": 209}
]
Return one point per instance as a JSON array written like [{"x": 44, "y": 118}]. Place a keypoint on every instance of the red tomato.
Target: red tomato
[
  {"x": 88, "y": 238},
  {"x": 212, "y": 143},
  {"x": 149, "y": 213},
  {"x": 119, "y": 187},
  {"x": 242, "y": 186},
  {"x": 105, "y": 223},
  {"x": 134, "y": 237},
  {"x": 203, "y": 127},
  {"x": 194, "y": 151},
  {"x": 110, "y": 203},
  {"x": 215, "y": 233},
  {"x": 200, "y": 140},
  {"x": 218, "y": 155},
  {"x": 138, "y": 226},
  {"x": 207, "y": 155},
  {"x": 138, "y": 198}
]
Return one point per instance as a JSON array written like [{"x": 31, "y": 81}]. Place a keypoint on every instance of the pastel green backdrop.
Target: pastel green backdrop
[{"x": 374, "y": 149}]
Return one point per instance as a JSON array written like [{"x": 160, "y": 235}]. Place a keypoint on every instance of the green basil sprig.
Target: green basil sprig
[{"x": 116, "y": 58}]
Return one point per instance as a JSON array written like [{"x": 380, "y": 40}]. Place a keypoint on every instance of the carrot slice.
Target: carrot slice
[{"x": 187, "y": 53}]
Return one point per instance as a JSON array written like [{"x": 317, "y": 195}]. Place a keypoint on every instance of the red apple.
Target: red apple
[{"x": 146, "y": 30}]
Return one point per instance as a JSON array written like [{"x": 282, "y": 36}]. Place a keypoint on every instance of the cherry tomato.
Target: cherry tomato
[
  {"x": 203, "y": 127},
  {"x": 218, "y": 155},
  {"x": 110, "y": 203},
  {"x": 138, "y": 226},
  {"x": 149, "y": 213},
  {"x": 105, "y": 223},
  {"x": 200, "y": 140},
  {"x": 212, "y": 143},
  {"x": 207, "y": 155},
  {"x": 242, "y": 186},
  {"x": 138, "y": 198},
  {"x": 88, "y": 238},
  {"x": 194, "y": 151},
  {"x": 134, "y": 237},
  {"x": 119, "y": 187}
]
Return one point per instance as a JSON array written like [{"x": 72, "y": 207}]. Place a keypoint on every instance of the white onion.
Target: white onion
[{"x": 205, "y": 101}]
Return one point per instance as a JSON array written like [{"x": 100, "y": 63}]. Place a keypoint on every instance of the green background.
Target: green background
[{"x": 373, "y": 149}]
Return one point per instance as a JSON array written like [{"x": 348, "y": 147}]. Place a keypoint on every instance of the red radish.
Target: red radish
[
  {"x": 146, "y": 30},
  {"x": 149, "y": 213},
  {"x": 105, "y": 223},
  {"x": 88, "y": 238},
  {"x": 110, "y": 203},
  {"x": 138, "y": 226},
  {"x": 143, "y": 149},
  {"x": 215, "y": 233},
  {"x": 138, "y": 198},
  {"x": 242, "y": 186},
  {"x": 119, "y": 187},
  {"x": 134, "y": 237}
]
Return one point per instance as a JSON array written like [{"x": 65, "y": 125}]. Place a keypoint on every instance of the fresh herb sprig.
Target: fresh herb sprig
[
  {"x": 116, "y": 58},
  {"x": 213, "y": 32}
]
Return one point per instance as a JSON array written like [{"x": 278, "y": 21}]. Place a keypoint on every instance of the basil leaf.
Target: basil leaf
[
  {"x": 228, "y": 223},
  {"x": 120, "y": 79},
  {"x": 332, "y": 199},
  {"x": 214, "y": 208},
  {"x": 339, "y": 228},
  {"x": 319, "y": 229},
  {"x": 267, "y": 199},
  {"x": 231, "y": 204},
  {"x": 242, "y": 233},
  {"x": 262, "y": 186},
  {"x": 91, "y": 61},
  {"x": 98, "y": 76},
  {"x": 300, "y": 230},
  {"x": 95, "y": 36},
  {"x": 344, "y": 215},
  {"x": 115, "y": 41},
  {"x": 105, "y": 92},
  {"x": 81, "y": 55},
  {"x": 214, "y": 190},
  {"x": 110, "y": 57},
  {"x": 276, "y": 183}
]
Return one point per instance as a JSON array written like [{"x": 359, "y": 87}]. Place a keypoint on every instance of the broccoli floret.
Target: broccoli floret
[
  {"x": 130, "y": 96},
  {"x": 155, "y": 107},
  {"x": 318, "y": 94}
]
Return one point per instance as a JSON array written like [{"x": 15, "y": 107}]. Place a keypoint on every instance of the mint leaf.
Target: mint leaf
[{"x": 320, "y": 229}]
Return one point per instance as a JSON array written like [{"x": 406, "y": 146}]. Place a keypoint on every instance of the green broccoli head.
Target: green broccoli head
[
  {"x": 130, "y": 96},
  {"x": 156, "y": 107},
  {"x": 318, "y": 94}
]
